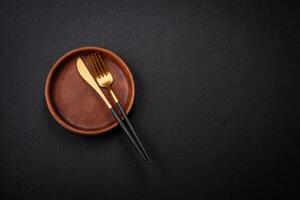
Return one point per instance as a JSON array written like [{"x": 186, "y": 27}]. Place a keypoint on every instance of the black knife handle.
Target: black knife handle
[
  {"x": 132, "y": 130},
  {"x": 127, "y": 133}
]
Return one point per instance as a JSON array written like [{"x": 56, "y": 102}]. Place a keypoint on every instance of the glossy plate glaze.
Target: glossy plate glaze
[{"x": 75, "y": 105}]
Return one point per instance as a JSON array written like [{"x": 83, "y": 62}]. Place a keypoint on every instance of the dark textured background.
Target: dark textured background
[{"x": 215, "y": 100}]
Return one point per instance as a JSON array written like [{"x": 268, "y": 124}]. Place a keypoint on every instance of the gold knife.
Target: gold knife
[{"x": 87, "y": 76}]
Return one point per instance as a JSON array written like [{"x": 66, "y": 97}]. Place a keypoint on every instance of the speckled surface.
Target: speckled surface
[{"x": 229, "y": 130}]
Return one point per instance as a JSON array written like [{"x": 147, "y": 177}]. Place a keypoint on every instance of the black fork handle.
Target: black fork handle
[
  {"x": 127, "y": 133},
  {"x": 133, "y": 131}
]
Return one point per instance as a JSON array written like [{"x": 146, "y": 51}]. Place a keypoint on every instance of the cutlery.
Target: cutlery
[
  {"x": 105, "y": 79},
  {"x": 87, "y": 76}
]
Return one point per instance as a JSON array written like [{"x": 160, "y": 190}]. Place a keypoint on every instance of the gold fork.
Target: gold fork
[{"x": 105, "y": 79}]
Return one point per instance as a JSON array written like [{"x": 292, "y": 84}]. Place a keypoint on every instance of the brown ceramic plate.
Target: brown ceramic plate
[{"x": 74, "y": 104}]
